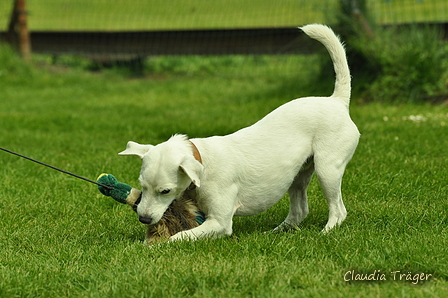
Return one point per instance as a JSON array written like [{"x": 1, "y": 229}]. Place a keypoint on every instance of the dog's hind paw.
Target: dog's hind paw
[
  {"x": 285, "y": 227},
  {"x": 329, "y": 227}
]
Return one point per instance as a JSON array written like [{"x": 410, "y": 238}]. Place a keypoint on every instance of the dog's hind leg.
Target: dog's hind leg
[
  {"x": 298, "y": 201},
  {"x": 330, "y": 177}
]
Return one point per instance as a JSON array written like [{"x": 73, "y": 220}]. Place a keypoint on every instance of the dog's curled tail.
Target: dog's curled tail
[{"x": 336, "y": 50}]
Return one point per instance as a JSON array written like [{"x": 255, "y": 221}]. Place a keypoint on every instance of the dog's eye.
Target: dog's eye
[{"x": 165, "y": 191}]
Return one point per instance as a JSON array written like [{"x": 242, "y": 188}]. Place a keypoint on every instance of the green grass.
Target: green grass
[
  {"x": 60, "y": 238},
  {"x": 181, "y": 14}
]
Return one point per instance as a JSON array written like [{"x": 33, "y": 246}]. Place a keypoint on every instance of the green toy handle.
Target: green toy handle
[{"x": 120, "y": 191}]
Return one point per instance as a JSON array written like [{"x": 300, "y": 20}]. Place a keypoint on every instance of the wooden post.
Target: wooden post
[
  {"x": 18, "y": 29},
  {"x": 361, "y": 20}
]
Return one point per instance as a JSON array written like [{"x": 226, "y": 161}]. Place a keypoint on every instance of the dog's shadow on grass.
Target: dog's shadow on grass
[
  {"x": 270, "y": 219},
  {"x": 266, "y": 223}
]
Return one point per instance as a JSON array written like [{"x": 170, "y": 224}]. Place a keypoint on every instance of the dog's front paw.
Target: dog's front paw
[{"x": 182, "y": 236}]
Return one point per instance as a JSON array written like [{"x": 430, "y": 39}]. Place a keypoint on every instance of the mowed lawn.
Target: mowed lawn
[{"x": 60, "y": 238}]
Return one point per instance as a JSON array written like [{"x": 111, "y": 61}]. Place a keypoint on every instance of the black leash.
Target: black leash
[{"x": 57, "y": 169}]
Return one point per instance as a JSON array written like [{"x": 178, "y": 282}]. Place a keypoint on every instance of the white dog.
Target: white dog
[{"x": 248, "y": 171}]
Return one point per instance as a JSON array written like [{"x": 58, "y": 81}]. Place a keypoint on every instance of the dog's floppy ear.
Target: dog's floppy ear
[
  {"x": 193, "y": 168},
  {"x": 133, "y": 148}
]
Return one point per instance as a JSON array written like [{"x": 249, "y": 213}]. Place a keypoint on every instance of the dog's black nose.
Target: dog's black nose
[{"x": 145, "y": 219}]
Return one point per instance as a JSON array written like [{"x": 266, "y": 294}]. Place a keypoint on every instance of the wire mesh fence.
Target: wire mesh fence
[
  {"x": 105, "y": 30},
  {"x": 124, "y": 15},
  {"x": 409, "y": 11}
]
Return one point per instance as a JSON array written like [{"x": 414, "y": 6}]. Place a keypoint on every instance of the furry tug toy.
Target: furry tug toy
[{"x": 183, "y": 213}]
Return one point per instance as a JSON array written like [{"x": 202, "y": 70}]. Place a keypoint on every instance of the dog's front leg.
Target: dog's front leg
[
  {"x": 209, "y": 229},
  {"x": 219, "y": 210}
]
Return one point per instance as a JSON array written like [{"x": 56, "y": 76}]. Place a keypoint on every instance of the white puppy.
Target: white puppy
[{"x": 248, "y": 171}]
